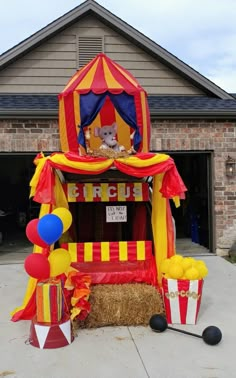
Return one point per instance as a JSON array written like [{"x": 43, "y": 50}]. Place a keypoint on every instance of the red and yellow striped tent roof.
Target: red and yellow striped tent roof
[{"x": 101, "y": 75}]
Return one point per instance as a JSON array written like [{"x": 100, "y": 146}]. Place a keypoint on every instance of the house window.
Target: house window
[{"x": 88, "y": 48}]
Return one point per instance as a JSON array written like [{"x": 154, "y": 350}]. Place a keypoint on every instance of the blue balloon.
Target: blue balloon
[{"x": 50, "y": 228}]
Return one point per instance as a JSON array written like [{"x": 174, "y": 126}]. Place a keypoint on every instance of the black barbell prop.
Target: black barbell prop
[{"x": 211, "y": 335}]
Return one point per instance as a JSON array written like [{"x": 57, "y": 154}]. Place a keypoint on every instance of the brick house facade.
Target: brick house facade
[
  {"x": 189, "y": 114},
  {"x": 220, "y": 138},
  {"x": 167, "y": 135},
  {"x": 29, "y": 135}
]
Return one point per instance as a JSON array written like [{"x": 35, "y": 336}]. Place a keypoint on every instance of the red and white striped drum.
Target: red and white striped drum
[{"x": 51, "y": 336}]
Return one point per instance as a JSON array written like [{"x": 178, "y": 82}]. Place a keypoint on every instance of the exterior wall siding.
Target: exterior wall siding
[
  {"x": 48, "y": 67},
  {"x": 219, "y": 137}
]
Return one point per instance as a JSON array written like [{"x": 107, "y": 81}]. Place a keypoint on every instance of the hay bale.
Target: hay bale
[{"x": 122, "y": 305}]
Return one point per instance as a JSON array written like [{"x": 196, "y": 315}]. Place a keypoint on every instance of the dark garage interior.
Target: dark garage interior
[
  {"x": 16, "y": 208},
  {"x": 192, "y": 218}
]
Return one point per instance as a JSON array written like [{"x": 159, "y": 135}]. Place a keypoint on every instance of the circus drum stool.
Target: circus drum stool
[
  {"x": 51, "y": 327},
  {"x": 51, "y": 336}
]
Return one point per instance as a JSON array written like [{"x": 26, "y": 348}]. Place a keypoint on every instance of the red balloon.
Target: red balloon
[
  {"x": 33, "y": 235},
  {"x": 37, "y": 266}
]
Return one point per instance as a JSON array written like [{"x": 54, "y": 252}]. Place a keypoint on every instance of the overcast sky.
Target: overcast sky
[{"x": 202, "y": 33}]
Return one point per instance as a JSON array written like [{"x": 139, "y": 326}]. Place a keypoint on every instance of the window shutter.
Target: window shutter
[{"x": 88, "y": 48}]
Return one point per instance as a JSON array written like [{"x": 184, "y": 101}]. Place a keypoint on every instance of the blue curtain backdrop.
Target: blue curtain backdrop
[{"x": 91, "y": 104}]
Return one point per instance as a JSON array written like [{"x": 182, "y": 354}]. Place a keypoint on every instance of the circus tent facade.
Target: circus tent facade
[{"x": 100, "y": 93}]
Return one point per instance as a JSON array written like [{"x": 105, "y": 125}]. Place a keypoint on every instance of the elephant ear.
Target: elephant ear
[
  {"x": 114, "y": 127},
  {"x": 97, "y": 131}
]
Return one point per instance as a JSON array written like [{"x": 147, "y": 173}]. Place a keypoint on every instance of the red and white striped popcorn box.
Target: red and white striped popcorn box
[{"x": 182, "y": 300}]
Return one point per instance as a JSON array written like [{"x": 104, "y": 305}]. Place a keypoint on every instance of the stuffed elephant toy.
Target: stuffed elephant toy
[{"x": 108, "y": 136}]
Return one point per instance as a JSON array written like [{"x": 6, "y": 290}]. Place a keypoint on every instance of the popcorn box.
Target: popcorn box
[
  {"x": 49, "y": 301},
  {"x": 182, "y": 300}
]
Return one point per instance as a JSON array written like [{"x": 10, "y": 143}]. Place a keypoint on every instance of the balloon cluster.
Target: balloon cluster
[
  {"x": 43, "y": 232},
  {"x": 183, "y": 268}
]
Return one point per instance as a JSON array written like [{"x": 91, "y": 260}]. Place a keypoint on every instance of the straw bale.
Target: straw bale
[
  {"x": 122, "y": 305},
  {"x": 109, "y": 153}
]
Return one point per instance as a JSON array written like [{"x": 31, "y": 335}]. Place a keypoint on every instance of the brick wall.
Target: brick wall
[
  {"x": 29, "y": 135},
  {"x": 219, "y": 137}
]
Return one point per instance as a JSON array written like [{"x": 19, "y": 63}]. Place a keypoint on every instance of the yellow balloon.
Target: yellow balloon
[
  {"x": 186, "y": 263},
  {"x": 59, "y": 260},
  {"x": 65, "y": 216},
  {"x": 192, "y": 274},
  {"x": 176, "y": 258},
  {"x": 175, "y": 271},
  {"x": 203, "y": 271},
  {"x": 165, "y": 266},
  {"x": 192, "y": 259},
  {"x": 200, "y": 263}
]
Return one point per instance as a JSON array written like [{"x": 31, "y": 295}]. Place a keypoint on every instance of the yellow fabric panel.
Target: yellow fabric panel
[
  {"x": 144, "y": 114},
  {"x": 123, "y": 251},
  {"x": 139, "y": 186},
  {"x": 104, "y": 190},
  {"x": 105, "y": 251},
  {"x": 128, "y": 77},
  {"x": 159, "y": 223},
  {"x": 69, "y": 197},
  {"x": 133, "y": 161},
  {"x": 61, "y": 159},
  {"x": 44, "y": 209},
  {"x": 72, "y": 248},
  {"x": 59, "y": 300},
  {"x": 74, "y": 78},
  {"x": 34, "y": 181},
  {"x": 89, "y": 191},
  {"x": 76, "y": 98},
  {"x": 141, "y": 250},
  {"x": 60, "y": 197},
  {"x": 95, "y": 142},
  {"x": 86, "y": 82},
  {"x": 62, "y": 126},
  {"x": 46, "y": 300},
  {"x": 121, "y": 191},
  {"x": 88, "y": 252},
  {"x": 32, "y": 282},
  {"x": 176, "y": 201},
  {"x": 123, "y": 132},
  {"x": 109, "y": 78}
]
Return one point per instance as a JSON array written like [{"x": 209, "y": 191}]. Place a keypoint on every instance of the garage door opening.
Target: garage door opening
[
  {"x": 16, "y": 208},
  {"x": 193, "y": 218}
]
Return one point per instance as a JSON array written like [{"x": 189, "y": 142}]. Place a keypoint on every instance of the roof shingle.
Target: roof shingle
[{"x": 157, "y": 104}]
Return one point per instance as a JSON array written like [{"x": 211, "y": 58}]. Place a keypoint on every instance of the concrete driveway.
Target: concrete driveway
[{"x": 127, "y": 352}]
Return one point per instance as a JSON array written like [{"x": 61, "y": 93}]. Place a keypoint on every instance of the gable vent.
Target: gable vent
[{"x": 88, "y": 48}]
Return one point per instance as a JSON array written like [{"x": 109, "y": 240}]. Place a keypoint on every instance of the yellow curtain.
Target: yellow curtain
[
  {"x": 159, "y": 222},
  {"x": 32, "y": 282}
]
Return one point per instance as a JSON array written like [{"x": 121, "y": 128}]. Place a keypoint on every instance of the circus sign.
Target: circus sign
[{"x": 106, "y": 192}]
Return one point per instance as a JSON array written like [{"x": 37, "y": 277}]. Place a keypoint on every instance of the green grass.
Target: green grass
[{"x": 231, "y": 259}]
